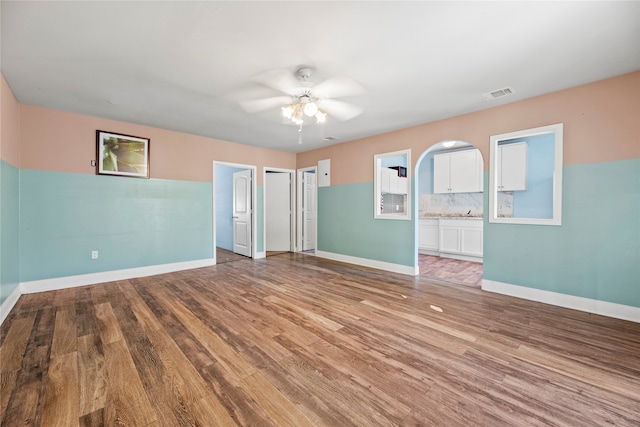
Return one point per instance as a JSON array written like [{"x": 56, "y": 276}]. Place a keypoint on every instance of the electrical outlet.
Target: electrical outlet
[{"x": 94, "y": 254}]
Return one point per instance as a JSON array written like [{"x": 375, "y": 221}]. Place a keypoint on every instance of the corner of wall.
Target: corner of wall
[{"x": 9, "y": 198}]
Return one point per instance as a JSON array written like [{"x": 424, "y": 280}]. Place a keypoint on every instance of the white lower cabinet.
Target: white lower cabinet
[
  {"x": 449, "y": 239},
  {"x": 471, "y": 241},
  {"x": 455, "y": 238},
  {"x": 428, "y": 231},
  {"x": 461, "y": 237}
]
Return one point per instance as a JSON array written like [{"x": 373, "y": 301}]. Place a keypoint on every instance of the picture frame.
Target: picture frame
[{"x": 122, "y": 155}]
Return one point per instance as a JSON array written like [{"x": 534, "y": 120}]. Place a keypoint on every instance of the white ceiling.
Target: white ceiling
[{"x": 185, "y": 65}]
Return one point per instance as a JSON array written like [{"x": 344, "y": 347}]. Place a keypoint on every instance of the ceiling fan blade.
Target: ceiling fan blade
[
  {"x": 257, "y": 105},
  {"x": 339, "y": 109},
  {"x": 280, "y": 79},
  {"x": 338, "y": 87}
]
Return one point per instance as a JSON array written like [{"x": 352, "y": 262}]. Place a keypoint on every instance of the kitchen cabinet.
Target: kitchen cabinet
[
  {"x": 458, "y": 172},
  {"x": 512, "y": 167},
  {"x": 428, "y": 231},
  {"x": 450, "y": 239},
  {"x": 460, "y": 237},
  {"x": 385, "y": 179},
  {"x": 390, "y": 182}
]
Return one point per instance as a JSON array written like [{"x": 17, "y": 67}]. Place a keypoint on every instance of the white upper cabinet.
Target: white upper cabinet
[
  {"x": 390, "y": 182},
  {"x": 512, "y": 167},
  {"x": 441, "y": 173},
  {"x": 385, "y": 180},
  {"x": 458, "y": 172}
]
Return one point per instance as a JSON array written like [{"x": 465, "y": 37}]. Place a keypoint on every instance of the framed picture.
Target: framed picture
[{"x": 122, "y": 155}]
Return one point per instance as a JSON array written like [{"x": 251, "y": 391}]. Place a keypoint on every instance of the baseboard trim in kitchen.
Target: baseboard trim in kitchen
[{"x": 604, "y": 308}]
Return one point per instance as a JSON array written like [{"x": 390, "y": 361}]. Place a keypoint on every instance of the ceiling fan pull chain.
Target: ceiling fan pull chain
[{"x": 300, "y": 134}]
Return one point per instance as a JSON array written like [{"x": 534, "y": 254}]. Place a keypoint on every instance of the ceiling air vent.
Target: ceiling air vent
[{"x": 495, "y": 94}]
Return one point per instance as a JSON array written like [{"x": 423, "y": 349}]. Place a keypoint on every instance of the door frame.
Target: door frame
[
  {"x": 300, "y": 189},
  {"x": 254, "y": 199},
  {"x": 292, "y": 192}
]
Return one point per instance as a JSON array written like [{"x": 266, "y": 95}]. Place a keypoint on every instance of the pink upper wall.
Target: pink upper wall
[
  {"x": 9, "y": 125},
  {"x": 601, "y": 123},
  {"x": 66, "y": 142}
]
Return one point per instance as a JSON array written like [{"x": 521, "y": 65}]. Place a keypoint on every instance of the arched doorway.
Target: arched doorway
[{"x": 449, "y": 183}]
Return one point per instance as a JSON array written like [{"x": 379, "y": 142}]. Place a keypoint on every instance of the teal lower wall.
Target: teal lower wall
[
  {"x": 346, "y": 226},
  {"x": 131, "y": 222},
  {"x": 134, "y": 222},
  {"x": 9, "y": 229},
  {"x": 594, "y": 254}
]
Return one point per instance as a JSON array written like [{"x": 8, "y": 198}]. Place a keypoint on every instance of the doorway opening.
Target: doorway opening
[
  {"x": 234, "y": 222},
  {"x": 279, "y": 236},
  {"x": 307, "y": 203},
  {"x": 450, "y": 210}
]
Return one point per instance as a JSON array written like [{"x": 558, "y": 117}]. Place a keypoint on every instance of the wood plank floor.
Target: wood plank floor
[
  {"x": 451, "y": 270},
  {"x": 224, "y": 255},
  {"x": 296, "y": 340}
]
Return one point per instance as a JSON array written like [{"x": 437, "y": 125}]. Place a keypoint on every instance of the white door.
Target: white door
[
  {"x": 278, "y": 211},
  {"x": 242, "y": 212},
  {"x": 309, "y": 211}
]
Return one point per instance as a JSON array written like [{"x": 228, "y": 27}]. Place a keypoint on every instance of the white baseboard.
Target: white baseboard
[
  {"x": 447, "y": 255},
  {"x": 428, "y": 252},
  {"x": 109, "y": 276},
  {"x": 8, "y": 303},
  {"x": 260, "y": 255},
  {"x": 462, "y": 257},
  {"x": 604, "y": 308},
  {"x": 380, "y": 265}
]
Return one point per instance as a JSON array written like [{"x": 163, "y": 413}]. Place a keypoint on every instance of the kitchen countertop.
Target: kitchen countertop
[{"x": 452, "y": 217}]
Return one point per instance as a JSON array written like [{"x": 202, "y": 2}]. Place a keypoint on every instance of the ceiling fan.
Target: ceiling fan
[{"x": 301, "y": 100}]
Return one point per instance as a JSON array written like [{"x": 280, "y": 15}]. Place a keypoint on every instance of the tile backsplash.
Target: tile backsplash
[
  {"x": 456, "y": 204},
  {"x": 505, "y": 204},
  {"x": 462, "y": 204}
]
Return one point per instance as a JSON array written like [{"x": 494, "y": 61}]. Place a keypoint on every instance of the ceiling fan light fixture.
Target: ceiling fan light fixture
[
  {"x": 302, "y": 99},
  {"x": 288, "y": 111},
  {"x": 297, "y": 119},
  {"x": 303, "y": 107},
  {"x": 310, "y": 109}
]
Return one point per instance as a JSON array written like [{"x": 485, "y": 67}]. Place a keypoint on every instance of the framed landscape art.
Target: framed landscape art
[{"x": 122, "y": 155}]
